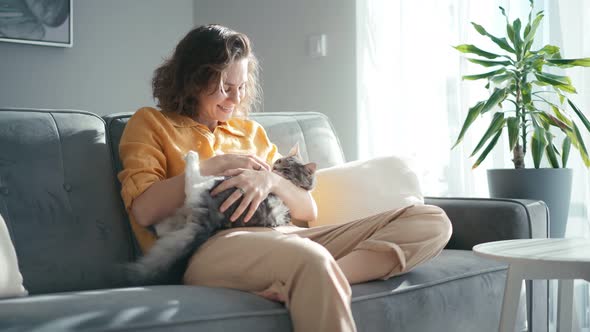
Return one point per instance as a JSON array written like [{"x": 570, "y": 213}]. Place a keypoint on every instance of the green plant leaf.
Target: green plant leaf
[
  {"x": 518, "y": 44},
  {"x": 496, "y": 124},
  {"x": 484, "y": 75},
  {"x": 567, "y": 63},
  {"x": 503, "y": 12},
  {"x": 466, "y": 48},
  {"x": 526, "y": 93},
  {"x": 578, "y": 142},
  {"x": 580, "y": 115},
  {"x": 531, "y": 109},
  {"x": 529, "y": 35},
  {"x": 473, "y": 113},
  {"x": 528, "y": 25},
  {"x": 533, "y": 57},
  {"x": 581, "y": 146},
  {"x": 557, "y": 122},
  {"x": 510, "y": 31},
  {"x": 559, "y": 82},
  {"x": 561, "y": 116},
  {"x": 565, "y": 150},
  {"x": 487, "y": 150},
  {"x": 538, "y": 144},
  {"x": 550, "y": 150},
  {"x": 527, "y": 47},
  {"x": 499, "y": 79},
  {"x": 554, "y": 79},
  {"x": 566, "y": 88},
  {"x": 498, "y": 41},
  {"x": 513, "y": 124},
  {"x": 509, "y": 28},
  {"x": 539, "y": 83},
  {"x": 527, "y": 29},
  {"x": 497, "y": 97},
  {"x": 549, "y": 50},
  {"x": 536, "y": 62},
  {"x": 544, "y": 118},
  {"x": 552, "y": 156},
  {"x": 489, "y": 63}
]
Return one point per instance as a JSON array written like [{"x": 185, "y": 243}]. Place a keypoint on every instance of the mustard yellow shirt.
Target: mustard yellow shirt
[{"x": 154, "y": 144}]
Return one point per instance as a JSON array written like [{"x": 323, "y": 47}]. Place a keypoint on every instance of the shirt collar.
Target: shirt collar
[
  {"x": 182, "y": 121},
  {"x": 227, "y": 126}
]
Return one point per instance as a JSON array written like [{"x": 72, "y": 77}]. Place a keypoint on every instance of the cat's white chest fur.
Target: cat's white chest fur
[{"x": 194, "y": 185}]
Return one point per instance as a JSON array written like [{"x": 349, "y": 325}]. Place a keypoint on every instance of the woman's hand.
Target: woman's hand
[
  {"x": 253, "y": 186},
  {"x": 217, "y": 165}
]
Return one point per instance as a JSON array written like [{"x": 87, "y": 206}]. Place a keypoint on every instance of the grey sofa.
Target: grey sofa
[{"x": 60, "y": 198}]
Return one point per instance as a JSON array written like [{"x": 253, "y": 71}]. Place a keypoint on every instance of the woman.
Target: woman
[{"x": 204, "y": 92}]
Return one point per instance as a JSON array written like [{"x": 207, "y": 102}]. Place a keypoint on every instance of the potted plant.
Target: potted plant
[{"x": 532, "y": 106}]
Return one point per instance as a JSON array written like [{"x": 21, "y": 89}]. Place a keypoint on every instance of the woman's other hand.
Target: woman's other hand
[
  {"x": 217, "y": 165},
  {"x": 254, "y": 186}
]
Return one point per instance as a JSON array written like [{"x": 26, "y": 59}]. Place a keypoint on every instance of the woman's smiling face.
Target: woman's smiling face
[{"x": 219, "y": 103}]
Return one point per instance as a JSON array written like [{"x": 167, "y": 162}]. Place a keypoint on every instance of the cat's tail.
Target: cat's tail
[{"x": 166, "y": 261}]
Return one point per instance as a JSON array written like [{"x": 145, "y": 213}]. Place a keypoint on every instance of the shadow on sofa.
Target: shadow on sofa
[{"x": 69, "y": 228}]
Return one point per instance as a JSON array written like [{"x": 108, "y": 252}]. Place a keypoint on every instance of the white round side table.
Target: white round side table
[{"x": 564, "y": 259}]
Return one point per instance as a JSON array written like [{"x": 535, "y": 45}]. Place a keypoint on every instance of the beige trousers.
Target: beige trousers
[{"x": 300, "y": 263}]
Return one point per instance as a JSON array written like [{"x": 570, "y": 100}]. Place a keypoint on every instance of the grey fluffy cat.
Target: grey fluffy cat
[{"x": 183, "y": 233}]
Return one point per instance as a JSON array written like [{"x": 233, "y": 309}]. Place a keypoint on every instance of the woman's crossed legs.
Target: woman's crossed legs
[{"x": 311, "y": 269}]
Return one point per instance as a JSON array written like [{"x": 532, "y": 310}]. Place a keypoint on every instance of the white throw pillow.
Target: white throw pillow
[
  {"x": 11, "y": 281},
  {"x": 363, "y": 188}
]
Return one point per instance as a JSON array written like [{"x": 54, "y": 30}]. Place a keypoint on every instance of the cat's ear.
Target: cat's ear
[
  {"x": 311, "y": 167},
  {"x": 294, "y": 152}
]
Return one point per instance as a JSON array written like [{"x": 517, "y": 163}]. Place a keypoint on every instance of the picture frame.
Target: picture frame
[{"x": 37, "y": 22}]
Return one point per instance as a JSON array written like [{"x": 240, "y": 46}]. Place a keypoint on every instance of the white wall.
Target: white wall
[
  {"x": 117, "y": 46},
  {"x": 119, "y": 43},
  {"x": 293, "y": 81}
]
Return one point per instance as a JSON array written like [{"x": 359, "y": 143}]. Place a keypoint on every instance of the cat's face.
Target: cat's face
[{"x": 293, "y": 169}]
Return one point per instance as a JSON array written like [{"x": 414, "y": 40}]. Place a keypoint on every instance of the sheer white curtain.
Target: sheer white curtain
[
  {"x": 568, "y": 27},
  {"x": 412, "y": 101}
]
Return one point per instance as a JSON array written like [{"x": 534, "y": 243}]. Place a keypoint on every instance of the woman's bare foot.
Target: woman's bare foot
[{"x": 272, "y": 295}]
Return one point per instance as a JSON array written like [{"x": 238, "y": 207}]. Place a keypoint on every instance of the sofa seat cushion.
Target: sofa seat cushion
[
  {"x": 168, "y": 308},
  {"x": 455, "y": 289},
  {"x": 455, "y": 281}
]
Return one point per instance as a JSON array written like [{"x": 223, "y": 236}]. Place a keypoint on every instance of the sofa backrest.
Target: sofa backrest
[
  {"x": 59, "y": 199},
  {"x": 313, "y": 131}
]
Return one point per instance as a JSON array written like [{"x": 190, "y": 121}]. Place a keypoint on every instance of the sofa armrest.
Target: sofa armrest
[{"x": 479, "y": 220}]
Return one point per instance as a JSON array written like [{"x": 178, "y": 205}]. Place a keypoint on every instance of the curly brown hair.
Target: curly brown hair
[{"x": 198, "y": 63}]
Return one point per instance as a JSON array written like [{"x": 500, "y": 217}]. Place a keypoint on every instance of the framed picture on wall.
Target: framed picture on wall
[{"x": 38, "y": 22}]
